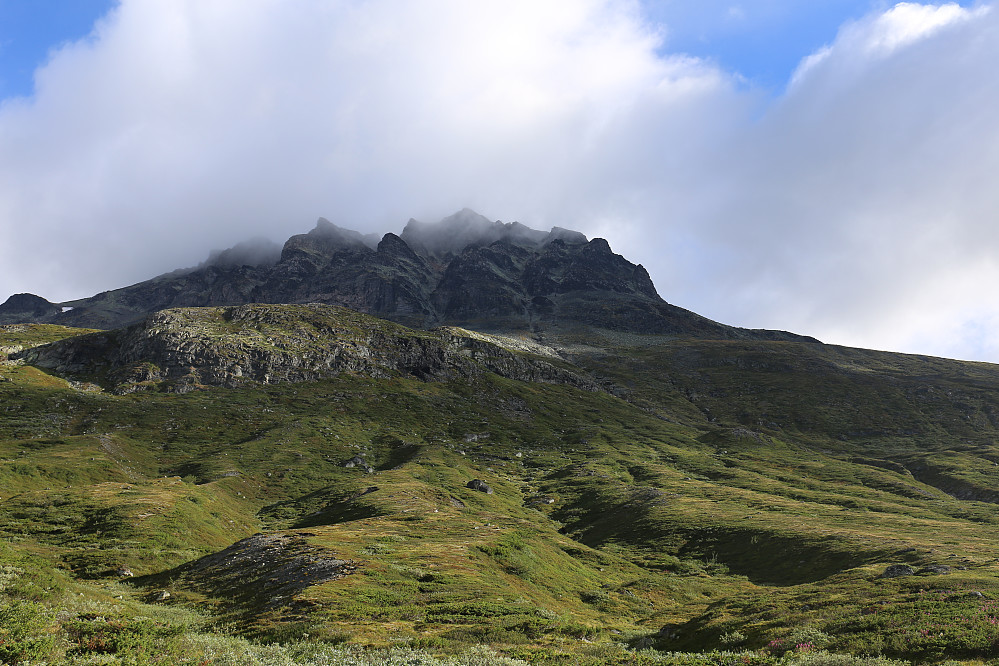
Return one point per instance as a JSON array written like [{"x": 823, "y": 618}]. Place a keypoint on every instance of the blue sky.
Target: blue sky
[
  {"x": 853, "y": 202},
  {"x": 29, "y": 29},
  {"x": 763, "y": 40}
]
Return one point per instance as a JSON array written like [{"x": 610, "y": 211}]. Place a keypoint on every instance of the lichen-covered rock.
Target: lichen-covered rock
[
  {"x": 270, "y": 567},
  {"x": 183, "y": 349},
  {"x": 898, "y": 571}
]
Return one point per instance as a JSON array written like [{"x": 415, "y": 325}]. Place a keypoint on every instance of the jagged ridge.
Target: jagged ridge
[{"x": 464, "y": 270}]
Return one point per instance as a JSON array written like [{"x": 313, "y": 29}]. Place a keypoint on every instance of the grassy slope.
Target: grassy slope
[
  {"x": 828, "y": 464},
  {"x": 745, "y": 490}
]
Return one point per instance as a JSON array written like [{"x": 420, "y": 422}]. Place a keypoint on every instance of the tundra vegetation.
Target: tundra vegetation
[{"x": 655, "y": 500}]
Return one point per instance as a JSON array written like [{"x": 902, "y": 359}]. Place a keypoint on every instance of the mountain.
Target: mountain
[
  {"x": 463, "y": 270},
  {"x": 28, "y": 308},
  {"x": 306, "y": 483}
]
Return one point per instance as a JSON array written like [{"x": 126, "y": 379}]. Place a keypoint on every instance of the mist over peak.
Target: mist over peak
[
  {"x": 467, "y": 228},
  {"x": 464, "y": 270},
  {"x": 253, "y": 252}
]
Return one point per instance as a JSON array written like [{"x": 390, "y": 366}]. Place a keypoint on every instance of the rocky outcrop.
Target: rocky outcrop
[
  {"x": 267, "y": 569},
  {"x": 898, "y": 571},
  {"x": 182, "y": 349},
  {"x": 464, "y": 270}
]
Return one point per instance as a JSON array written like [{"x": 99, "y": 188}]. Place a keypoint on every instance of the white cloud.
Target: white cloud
[
  {"x": 880, "y": 35},
  {"x": 865, "y": 207},
  {"x": 858, "y": 207},
  {"x": 909, "y": 22},
  {"x": 185, "y": 123}
]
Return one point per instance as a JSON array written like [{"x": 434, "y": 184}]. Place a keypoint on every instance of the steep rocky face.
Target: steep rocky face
[
  {"x": 389, "y": 280},
  {"x": 182, "y": 349},
  {"x": 465, "y": 270}
]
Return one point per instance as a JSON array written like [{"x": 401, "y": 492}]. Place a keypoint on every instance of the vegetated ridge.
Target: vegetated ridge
[{"x": 184, "y": 349}]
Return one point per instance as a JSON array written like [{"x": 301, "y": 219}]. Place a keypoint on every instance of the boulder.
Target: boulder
[
  {"x": 356, "y": 461},
  {"x": 480, "y": 485},
  {"x": 898, "y": 570}
]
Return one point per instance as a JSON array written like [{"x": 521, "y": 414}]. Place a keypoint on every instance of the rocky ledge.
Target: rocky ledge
[{"x": 183, "y": 349}]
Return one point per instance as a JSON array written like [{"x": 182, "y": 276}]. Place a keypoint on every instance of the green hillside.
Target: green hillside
[{"x": 734, "y": 501}]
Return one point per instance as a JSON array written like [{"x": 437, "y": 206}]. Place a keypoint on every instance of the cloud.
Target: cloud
[
  {"x": 880, "y": 35},
  {"x": 864, "y": 209},
  {"x": 181, "y": 123},
  {"x": 856, "y": 207}
]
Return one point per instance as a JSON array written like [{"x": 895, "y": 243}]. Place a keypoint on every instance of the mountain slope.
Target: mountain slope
[{"x": 711, "y": 490}]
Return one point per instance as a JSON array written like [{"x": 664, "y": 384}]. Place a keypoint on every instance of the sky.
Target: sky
[{"x": 825, "y": 167}]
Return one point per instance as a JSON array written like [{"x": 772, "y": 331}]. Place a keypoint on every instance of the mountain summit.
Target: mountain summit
[{"x": 463, "y": 270}]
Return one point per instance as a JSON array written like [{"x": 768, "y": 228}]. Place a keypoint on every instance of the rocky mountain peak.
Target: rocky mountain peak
[
  {"x": 391, "y": 244},
  {"x": 324, "y": 226},
  {"x": 467, "y": 229},
  {"x": 325, "y": 239},
  {"x": 464, "y": 270},
  {"x": 566, "y": 236},
  {"x": 326, "y": 230},
  {"x": 600, "y": 245},
  {"x": 452, "y": 234}
]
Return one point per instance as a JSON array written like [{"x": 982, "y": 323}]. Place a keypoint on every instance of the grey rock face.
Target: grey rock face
[
  {"x": 465, "y": 270},
  {"x": 180, "y": 350}
]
